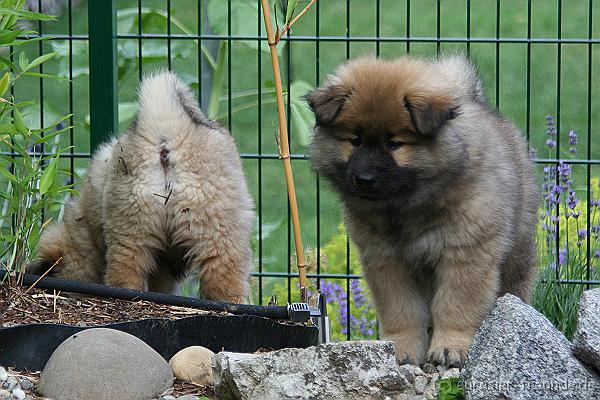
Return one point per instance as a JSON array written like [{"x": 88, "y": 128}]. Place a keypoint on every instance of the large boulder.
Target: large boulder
[
  {"x": 518, "y": 354},
  {"x": 104, "y": 364},
  {"x": 586, "y": 343},
  {"x": 345, "y": 370}
]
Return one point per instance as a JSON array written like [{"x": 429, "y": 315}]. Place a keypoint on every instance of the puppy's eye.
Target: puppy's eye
[
  {"x": 355, "y": 141},
  {"x": 394, "y": 144}
]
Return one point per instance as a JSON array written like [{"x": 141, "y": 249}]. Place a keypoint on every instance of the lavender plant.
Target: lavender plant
[
  {"x": 354, "y": 314},
  {"x": 563, "y": 238}
]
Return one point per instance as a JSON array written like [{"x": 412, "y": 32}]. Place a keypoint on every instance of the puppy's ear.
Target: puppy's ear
[
  {"x": 428, "y": 111},
  {"x": 327, "y": 102}
]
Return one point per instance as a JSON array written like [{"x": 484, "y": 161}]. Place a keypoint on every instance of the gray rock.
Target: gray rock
[
  {"x": 451, "y": 373},
  {"x": 100, "y": 363},
  {"x": 421, "y": 384},
  {"x": 5, "y": 394},
  {"x": 518, "y": 354},
  {"x": 3, "y": 374},
  {"x": 410, "y": 372},
  {"x": 188, "y": 397},
  {"x": 10, "y": 383},
  {"x": 345, "y": 370},
  {"x": 586, "y": 343},
  {"x": 26, "y": 384},
  {"x": 18, "y": 394}
]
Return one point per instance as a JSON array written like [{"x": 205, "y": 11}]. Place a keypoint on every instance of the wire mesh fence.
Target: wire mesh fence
[{"x": 536, "y": 57}]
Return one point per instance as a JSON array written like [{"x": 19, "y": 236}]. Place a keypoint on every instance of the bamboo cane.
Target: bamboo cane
[{"x": 284, "y": 151}]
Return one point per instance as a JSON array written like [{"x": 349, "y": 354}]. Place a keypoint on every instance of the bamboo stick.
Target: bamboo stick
[{"x": 284, "y": 150}]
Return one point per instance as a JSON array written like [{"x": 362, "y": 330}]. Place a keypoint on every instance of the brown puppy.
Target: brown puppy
[
  {"x": 167, "y": 197},
  {"x": 438, "y": 195}
]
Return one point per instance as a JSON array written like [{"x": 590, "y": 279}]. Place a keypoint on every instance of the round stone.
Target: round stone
[
  {"x": 193, "y": 364},
  {"x": 18, "y": 394},
  {"x": 188, "y": 397},
  {"x": 3, "y": 374},
  {"x": 26, "y": 384},
  {"x": 104, "y": 364}
]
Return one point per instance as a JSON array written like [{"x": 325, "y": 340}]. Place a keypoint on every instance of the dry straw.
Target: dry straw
[{"x": 284, "y": 147}]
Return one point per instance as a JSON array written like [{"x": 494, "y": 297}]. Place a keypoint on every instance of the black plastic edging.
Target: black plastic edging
[{"x": 93, "y": 289}]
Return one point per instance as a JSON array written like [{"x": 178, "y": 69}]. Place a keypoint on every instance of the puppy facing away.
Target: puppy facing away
[
  {"x": 438, "y": 195},
  {"x": 167, "y": 197}
]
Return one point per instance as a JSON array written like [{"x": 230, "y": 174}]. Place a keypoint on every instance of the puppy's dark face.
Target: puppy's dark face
[
  {"x": 377, "y": 129},
  {"x": 370, "y": 169}
]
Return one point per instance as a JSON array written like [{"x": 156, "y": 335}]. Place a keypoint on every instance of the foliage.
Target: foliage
[
  {"x": 31, "y": 176},
  {"x": 450, "y": 389},
  {"x": 243, "y": 22},
  {"x": 562, "y": 240}
]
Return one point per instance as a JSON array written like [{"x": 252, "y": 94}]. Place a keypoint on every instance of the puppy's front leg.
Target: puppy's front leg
[
  {"x": 465, "y": 292},
  {"x": 402, "y": 311}
]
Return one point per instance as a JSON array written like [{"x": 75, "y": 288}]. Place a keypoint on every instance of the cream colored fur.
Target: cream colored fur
[{"x": 166, "y": 198}]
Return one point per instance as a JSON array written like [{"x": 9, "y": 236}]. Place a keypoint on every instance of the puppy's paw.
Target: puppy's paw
[
  {"x": 403, "y": 357},
  {"x": 410, "y": 348},
  {"x": 447, "y": 356}
]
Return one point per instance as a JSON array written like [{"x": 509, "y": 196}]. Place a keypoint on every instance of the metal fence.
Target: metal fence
[{"x": 537, "y": 57}]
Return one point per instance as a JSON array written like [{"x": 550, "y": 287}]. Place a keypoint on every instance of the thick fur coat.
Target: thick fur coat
[
  {"x": 166, "y": 198},
  {"x": 438, "y": 194}
]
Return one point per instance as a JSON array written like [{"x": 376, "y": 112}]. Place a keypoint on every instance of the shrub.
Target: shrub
[
  {"x": 563, "y": 238},
  {"x": 28, "y": 176}
]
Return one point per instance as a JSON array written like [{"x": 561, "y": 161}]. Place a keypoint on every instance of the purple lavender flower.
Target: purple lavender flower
[
  {"x": 582, "y": 233},
  {"x": 572, "y": 200},
  {"x": 358, "y": 295},
  {"x": 532, "y": 153},
  {"x": 564, "y": 170},
  {"x": 562, "y": 256},
  {"x": 550, "y": 130},
  {"x": 573, "y": 141},
  {"x": 597, "y": 254}
]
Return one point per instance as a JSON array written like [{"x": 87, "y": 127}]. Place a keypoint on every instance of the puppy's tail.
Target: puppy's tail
[
  {"x": 164, "y": 99},
  {"x": 50, "y": 251},
  {"x": 462, "y": 73}
]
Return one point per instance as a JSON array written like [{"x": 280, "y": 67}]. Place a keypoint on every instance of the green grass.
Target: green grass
[{"x": 246, "y": 75}]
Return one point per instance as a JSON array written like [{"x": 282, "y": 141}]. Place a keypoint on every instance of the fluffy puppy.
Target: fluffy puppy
[
  {"x": 438, "y": 195},
  {"x": 167, "y": 197}
]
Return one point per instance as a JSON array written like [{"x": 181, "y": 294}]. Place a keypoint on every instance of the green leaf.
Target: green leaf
[
  {"x": 7, "y": 37},
  {"x": 127, "y": 111},
  {"x": 7, "y": 62},
  {"x": 302, "y": 118},
  {"x": 41, "y": 59},
  {"x": 4, "y": 82},
  {"x": 30, "y": 15},
  {"x": 48, "y": 176},
  {"x": 47, "y": 76},
  {"x": 23, "y": 61},
  {"x": 9, "y": 176},
  {"x": 46, "y": 138},
  {"x": 291, "y": 7},
  {"x": 19, "y": 123}
]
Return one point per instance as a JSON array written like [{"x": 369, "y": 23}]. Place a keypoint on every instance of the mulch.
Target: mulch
[{"x": 18, "y": 306}]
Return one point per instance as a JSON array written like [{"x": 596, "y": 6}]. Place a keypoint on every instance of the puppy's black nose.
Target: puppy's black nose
[{"x": 364, "y": 181}]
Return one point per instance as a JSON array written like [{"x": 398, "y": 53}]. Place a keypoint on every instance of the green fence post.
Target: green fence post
[{"x": 104, "y": 119}]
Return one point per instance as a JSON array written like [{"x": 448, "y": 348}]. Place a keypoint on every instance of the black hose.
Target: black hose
[{"x": 94, "y": 289}]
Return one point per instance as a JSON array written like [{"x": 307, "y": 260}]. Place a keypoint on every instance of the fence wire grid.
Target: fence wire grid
[{"x": 536, "y": 58}]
